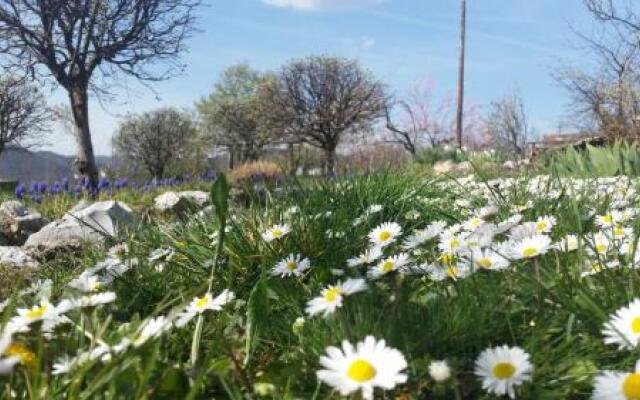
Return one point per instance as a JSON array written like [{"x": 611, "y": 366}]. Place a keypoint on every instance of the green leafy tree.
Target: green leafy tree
[{"x": 233, "y": 114}]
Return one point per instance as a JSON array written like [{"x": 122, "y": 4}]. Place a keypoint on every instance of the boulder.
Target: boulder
[
  {"x": 464, "y": 167},
  {"x": 91, "y": 224},
  {"x": 444, "y": 167},
  {"x": 181, "y": 202},
  {"x": 16, "y": 257},
  {"x": 509, "y": 164},
  {"x": 17, "y": 222}
]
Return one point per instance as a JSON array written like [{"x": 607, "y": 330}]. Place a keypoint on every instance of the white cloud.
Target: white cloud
[{"x": 317, "y": 5}]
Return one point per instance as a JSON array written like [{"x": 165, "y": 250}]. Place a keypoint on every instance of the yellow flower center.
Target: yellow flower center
[
  {"x": 541, "y": 226},
  {"x": 387, "y": 266},
  {"x": 504, "y": 370},
  {"x": 454, "y": 243},
  {"x": 475, "y": 222},
  {"x": 530, "y": 251},
  {"x": 631, "y": 386},
  {"x": 332, "y": 294},
  {"x": 37, "y": 312},
  {"x": 452, "y": 272},
  {"x": 601, "y": 248},
  {"x": 635, "y": 325},
  {"x": 277, "y": 233},
  {"x": 26, "y": 356},
  {"x": 607, "y": 219},
  {"x": 384, "y": 236},
  {"x": 361, "y": 371},
  {"x": 446, "y": 258},
  {"x": 618, "y": 231},
  {"x": 292, "y": 265},
  {"x": 484, "y": 262},
  {"x": 202, "y": 302}
]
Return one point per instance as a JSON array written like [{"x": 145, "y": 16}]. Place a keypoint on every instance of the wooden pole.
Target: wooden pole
[{"x": 460, "y": 110}]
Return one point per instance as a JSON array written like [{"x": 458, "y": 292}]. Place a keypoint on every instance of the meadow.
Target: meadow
[{"x": 391, "y": 285}]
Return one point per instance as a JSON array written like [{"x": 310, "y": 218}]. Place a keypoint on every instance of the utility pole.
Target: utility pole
[{"x": 460, "y": 110}]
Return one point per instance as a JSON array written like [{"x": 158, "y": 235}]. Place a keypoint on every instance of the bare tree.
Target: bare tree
[
  {"x": 507, "y": 125},
  {"x": 605, "y": 93},
  {"x": 420, "y": 121},
  {"x": 157, "y": 140},
  {"x": 320, "y": 99},
  {"x": 77, "y": 42},
  {"x": 24, "y": 115}
]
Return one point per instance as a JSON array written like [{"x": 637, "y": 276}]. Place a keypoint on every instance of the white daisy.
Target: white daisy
[
  {"x": 623, "y": 328},
  {"x": 489, "y": 259},
  {"x": 609, "y": 220},
  {"x": 331, "y": 297},
  {"x": 369, "y": 256},
  {"x": 501, "y": 368},
  {"x": 385, "y": 234},
  {"x": 6, "y": 363},
  {"x": 545, "y": 223},
  {"x": 89, "y": 283},
  {"x": 275, "y": 232},
  {"x": 294, "y": 264},
  {"x": 530, "y": 247},
  {"x": 202, "y": 304},
  {"x": 389, "y": 264},
  {"x": 151, "y": 329},
  {"x": 615, "y": 385},
  {"x": 369, "y": 365}
]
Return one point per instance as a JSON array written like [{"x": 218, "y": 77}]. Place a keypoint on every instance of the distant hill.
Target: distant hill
[{"x": 26, "y": 166}]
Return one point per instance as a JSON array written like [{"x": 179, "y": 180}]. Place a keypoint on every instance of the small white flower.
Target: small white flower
[
  {"x": 201, "y": 304},
  {"x": 390, "y": 264},
  {"x": 530, "y": 247},
  {"x": 369, "y": 365},
  {"x": 369, "y": 256},
  {"x": 331, "y": 297},
  {"x": 151, "y": 329},
  {"x": 293, "y": 265},
  {"x": 275, "y": 232},
  {"x": 385, "y": 234},
  {"x": 615, "y": 385},
  {"x": 501, "y": 368},
  {"x": 623, "y": 328},
  {"x": 439, "y": 371}
]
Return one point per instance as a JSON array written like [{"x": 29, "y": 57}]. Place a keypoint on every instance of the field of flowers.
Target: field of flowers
[{"x": 390, "y": 286}]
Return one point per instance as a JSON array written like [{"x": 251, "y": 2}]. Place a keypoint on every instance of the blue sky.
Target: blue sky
[{"x": 511, "y": 43}]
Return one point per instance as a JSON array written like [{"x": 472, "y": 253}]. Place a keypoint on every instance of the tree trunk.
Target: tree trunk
[
  {"x": 330, "y": 162},
  {"x": 85, "y": 162},
  {"x": 460, "y": 110}
]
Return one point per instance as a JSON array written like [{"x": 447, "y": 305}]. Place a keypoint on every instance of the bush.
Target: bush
[
  {"x": 620, "y": 158},
  {"x": 260, "y": 171}
]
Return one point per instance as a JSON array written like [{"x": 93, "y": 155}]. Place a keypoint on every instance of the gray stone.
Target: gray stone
[
  {"x": 17, "y": 257},
  {"x": 90, "y": 225},
  {"x": 17, "y": 222},
  {"x": 181, "y": 202}
]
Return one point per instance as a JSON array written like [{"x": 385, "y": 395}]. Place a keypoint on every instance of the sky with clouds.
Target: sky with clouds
[{"x": 511, "y": 43}]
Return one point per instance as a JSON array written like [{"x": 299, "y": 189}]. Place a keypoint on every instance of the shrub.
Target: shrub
[{"x": 260, "y": 171}]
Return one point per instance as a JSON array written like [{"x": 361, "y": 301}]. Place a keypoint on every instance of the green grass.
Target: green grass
[{"x": 543, "y": 305}]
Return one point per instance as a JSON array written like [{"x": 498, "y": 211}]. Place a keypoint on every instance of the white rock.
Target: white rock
[
  {"x": 91, "y": 224},
  {"x": 17, "y": 222},
  {"x": 179, "y": 202},
  {"x": 16, "y": 257},
  {"x": 444, "y": 167}
]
